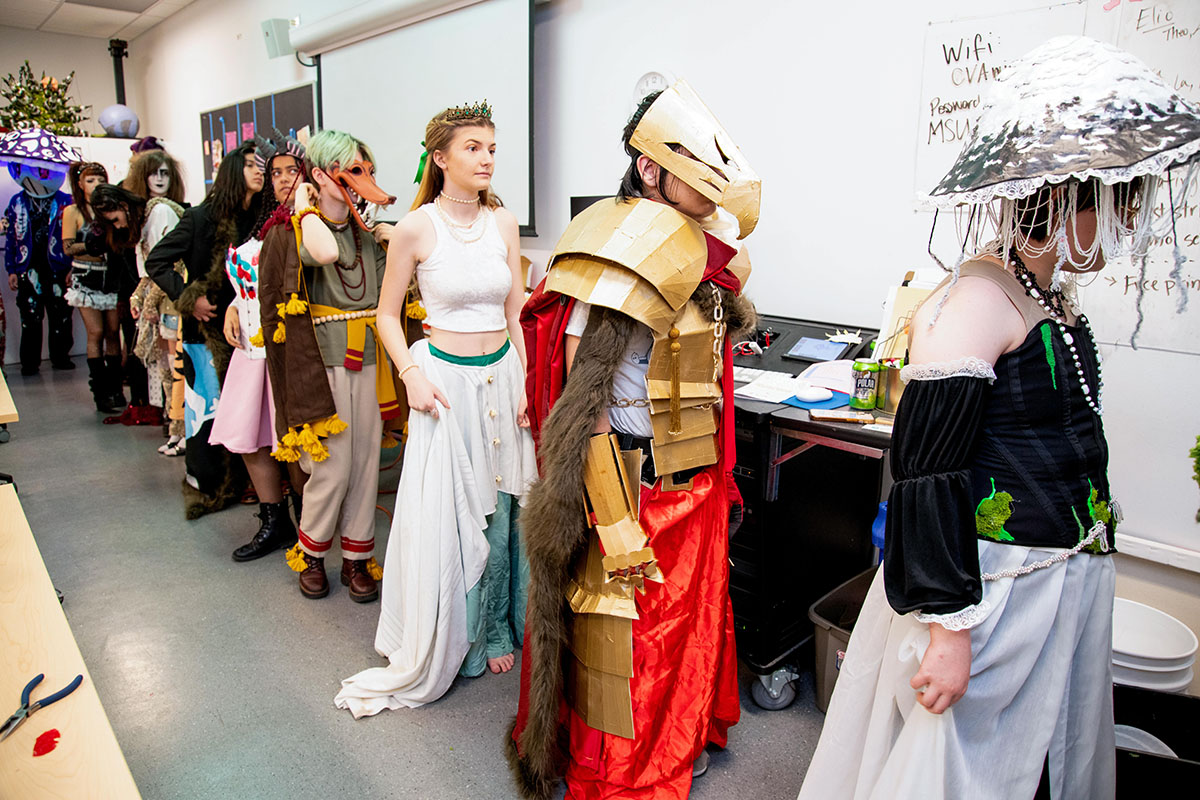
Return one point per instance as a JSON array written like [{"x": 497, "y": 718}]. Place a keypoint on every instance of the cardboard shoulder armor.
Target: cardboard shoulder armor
[
  {"x": 638, "y": 257},
  {"x": 716, "y": 167}
]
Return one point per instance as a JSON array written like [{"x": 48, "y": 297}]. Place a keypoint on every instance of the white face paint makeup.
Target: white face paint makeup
[{"x": 159, "y": 181}]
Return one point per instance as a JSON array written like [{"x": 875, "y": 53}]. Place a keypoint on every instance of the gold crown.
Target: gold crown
[{"x": 473, "y": 111}]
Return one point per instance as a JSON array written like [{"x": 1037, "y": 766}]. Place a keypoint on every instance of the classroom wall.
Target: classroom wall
[{"x": 57, "y": 55}]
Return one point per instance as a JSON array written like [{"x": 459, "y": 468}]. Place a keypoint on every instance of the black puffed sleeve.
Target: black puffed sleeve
[{"x": 930, "y": 560}]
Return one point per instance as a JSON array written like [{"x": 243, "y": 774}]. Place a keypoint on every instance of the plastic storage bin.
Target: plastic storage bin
[{"x": 833, "y": 618}]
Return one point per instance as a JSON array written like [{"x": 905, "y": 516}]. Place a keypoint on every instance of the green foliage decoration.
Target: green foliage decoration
[
  {"x": 991, "y": 514},
  {"x": 1195, "y": 454},
  {"x": 40, "y": 103}
]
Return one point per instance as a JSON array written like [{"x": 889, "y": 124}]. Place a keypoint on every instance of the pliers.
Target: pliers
[{"x": 27, "y": 708}]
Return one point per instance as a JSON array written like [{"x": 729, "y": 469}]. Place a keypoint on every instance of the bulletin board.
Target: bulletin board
[{"x": 292, "y": 111}]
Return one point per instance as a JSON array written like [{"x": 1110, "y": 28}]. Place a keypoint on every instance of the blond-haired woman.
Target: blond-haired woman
[{"x": 454, "y": 579}]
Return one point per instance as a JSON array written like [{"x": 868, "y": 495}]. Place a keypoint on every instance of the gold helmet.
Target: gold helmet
[{"x": 716, "y": 169}]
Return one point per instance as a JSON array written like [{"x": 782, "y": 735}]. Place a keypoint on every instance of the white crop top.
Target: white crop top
[{"x": 464, "y": 285}]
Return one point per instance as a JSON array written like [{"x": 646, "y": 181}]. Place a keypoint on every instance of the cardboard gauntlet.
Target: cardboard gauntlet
[{"x": 613, "y": 503}]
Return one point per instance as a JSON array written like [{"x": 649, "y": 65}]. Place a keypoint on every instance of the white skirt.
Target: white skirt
[
  {"x": 1041, "y": 683},
  {"x": 453, "y": 467}
]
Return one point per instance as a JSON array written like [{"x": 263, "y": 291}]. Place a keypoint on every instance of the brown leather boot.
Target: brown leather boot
[
  {"x": 313, "y": 583},
  {"x": 363, "y": 588}
]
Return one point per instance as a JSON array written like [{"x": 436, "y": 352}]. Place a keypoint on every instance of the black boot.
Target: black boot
[
  {"x": 98, "y": 381},
  {"x": 276, "y": 531},
  {"x": 112, "y": 368}
]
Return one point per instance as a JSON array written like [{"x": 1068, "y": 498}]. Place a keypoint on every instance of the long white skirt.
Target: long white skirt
[
  {"x": 453, "y": 467},
  {"x": 1041, "y": 683}
]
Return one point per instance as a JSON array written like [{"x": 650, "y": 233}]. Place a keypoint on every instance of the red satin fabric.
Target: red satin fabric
[
  {"x": 544, "y": 322},
  {"x": 684, "y": 689}
]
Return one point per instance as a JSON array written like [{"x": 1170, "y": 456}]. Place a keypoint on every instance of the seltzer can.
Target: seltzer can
[{"x": 866, "y": 375}]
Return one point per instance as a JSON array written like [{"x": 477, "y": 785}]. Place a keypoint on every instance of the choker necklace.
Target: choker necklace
[
  {"x": 1052, "y": 303},
  {"x": 471, "y": 202},
  {"x": 1049, "y": 299}
]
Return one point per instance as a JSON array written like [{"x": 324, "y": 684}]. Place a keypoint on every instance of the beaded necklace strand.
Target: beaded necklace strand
[
  {"x": 455, "y": 227},
  {"x": 1051, "y": 302},
  {"x": 350, "y": 268}
]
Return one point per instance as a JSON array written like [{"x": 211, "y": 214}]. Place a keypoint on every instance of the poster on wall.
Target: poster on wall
[{"x": 291, "y": 112}]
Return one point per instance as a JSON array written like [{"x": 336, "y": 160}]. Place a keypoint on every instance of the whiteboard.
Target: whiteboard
[
  {"x": 1151, "y": 419},
  {"x": 385, "y": 89},
  {"x": 1166, "y": 35}
]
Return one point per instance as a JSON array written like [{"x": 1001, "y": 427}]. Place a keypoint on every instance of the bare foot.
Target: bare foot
[{"x": 501, "y": 664}]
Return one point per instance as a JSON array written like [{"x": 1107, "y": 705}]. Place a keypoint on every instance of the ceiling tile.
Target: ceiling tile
[
  {"x": 137, "y": 27},
  {"x": 165, "y": 8},
  {"x": 78, "y": 20},
  {"x": 136, "y": 6},
  {"x": 45, "y": 6},
  {"x": 28, "y": 13},
  {"x": 29, "y": 20}
]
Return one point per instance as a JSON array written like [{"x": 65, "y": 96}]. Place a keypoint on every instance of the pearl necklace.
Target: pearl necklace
[
  {"x": 1055, "y": 312},
  {"x": 452, "y": 199},
  {"x": 454, "y": 227}
]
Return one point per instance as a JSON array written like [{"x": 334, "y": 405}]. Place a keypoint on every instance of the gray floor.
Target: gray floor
[{"x": 219, "y": 678}]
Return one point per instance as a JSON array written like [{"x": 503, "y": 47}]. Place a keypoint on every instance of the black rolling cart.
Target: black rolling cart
[{"x": 811, "y": 491}]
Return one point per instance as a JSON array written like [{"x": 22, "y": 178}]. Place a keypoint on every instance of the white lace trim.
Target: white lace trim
[
  {"x": 962, "y": 620},
  {"x": 969, "y": 366},
  {"x": 1156, "y": 164}
]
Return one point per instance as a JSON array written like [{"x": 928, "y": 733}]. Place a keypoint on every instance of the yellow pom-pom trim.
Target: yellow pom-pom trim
[
  {"x": 280, "y": 335},
  {"x": 415, "y": 310},
  {"x": 295, "y": 305},
  {"x": 288, "y": 455},
  {"x": 373, "y": 569},
  {"x": 329, "y": 426},
  {"x": 307, "y": 438},
  {"x": 257, "y": 339},
  {"x": 295, "y": 558},
  {"x": 319, "y": 452}
]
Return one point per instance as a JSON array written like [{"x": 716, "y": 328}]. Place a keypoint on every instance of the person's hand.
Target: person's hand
[
  {"x": 233, "y": 327},
  {"x": 203, "y": 311},
  {"x": 523, "y": 412},
  {"x": 14, "y": 281},
  {"x": 383, "y": 233},
  {"x": 945, "y": 670},
  {"x": 422, "y": 394},
  {"x": 306, "y": 195}
]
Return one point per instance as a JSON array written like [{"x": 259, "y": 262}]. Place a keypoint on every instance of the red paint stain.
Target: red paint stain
[{"x": 46, "y": 742}]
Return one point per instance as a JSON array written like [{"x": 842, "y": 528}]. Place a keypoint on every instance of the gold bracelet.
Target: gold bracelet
[{"x": 400, "y": 375}]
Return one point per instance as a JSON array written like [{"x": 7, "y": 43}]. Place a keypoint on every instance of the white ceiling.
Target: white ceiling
[{"x": 99, "y": 19}]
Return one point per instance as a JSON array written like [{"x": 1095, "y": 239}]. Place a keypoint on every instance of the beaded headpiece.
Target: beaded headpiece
[{"x": 473, "y": 111}]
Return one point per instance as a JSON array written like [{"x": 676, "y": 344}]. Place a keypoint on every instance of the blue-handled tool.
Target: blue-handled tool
[{"x": 27, "y": 708}]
